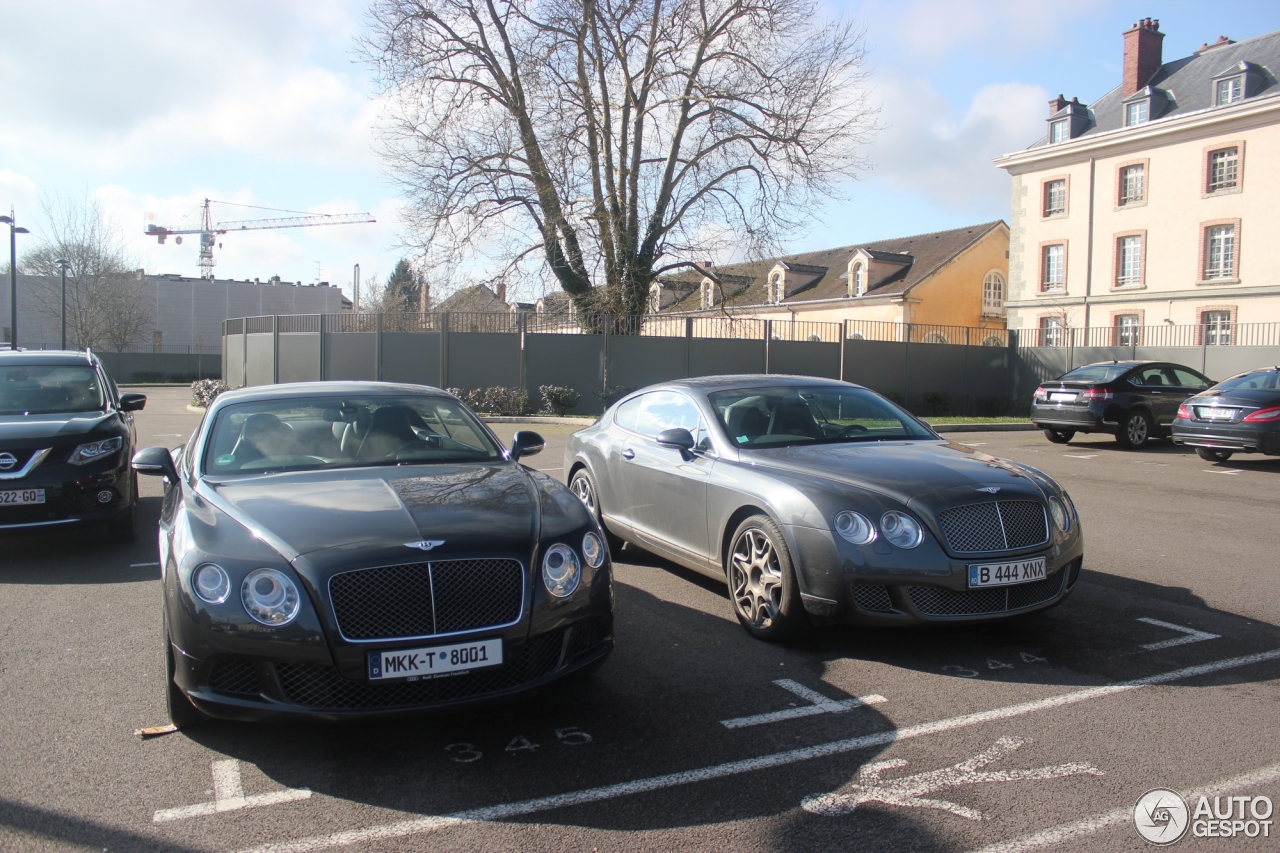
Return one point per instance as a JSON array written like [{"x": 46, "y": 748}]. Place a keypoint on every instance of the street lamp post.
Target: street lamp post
[
  {"x": 14, "y": 231},
  {"x": 62, "y": 265}
]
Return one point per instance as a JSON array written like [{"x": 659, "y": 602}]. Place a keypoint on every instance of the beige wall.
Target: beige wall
[{"x": 953, "y": 296}]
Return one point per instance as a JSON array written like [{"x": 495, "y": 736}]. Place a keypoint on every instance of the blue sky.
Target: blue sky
[{"x": 152, "y": 107}]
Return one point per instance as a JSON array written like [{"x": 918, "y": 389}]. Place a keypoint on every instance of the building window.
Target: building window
[
  {"x": 993, "y": 291},
  {"x": 1055, "y": 197},
  {"x": 1053, "y": 272},
  {"x": 1135, "y": 114},
  {"x": 1052, "y": 332},
  {"x": 859, "y": 278},
  {"x": 1224, "y": 169},
  {"x": 1129, "y": 261},
  {"x": 1058, "y": 132},
  {"x": 655, "y": 299},
  {"x": 1133, "y": 184},
  {"x": 1230, "y": 90},
  {"x": 708, "y": 295},
  {"x": 775, "y": 288},
  {"x": 1127, "y": 330},
  {"x": 1217, "y": 328},
  {"x": 1220, "y": 252}
]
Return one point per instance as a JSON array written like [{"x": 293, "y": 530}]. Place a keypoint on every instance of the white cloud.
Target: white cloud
[{"x": 19, "y": 192}]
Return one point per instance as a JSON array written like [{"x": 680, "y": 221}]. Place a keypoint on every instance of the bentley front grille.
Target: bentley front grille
[
  {"x": 995, "y": 526},
  {"x": 935, "y": 601},
  {"x": 235, "y": 675},
  {"x": 425, "y": 599},
  {"x": 872, "y": 597}
]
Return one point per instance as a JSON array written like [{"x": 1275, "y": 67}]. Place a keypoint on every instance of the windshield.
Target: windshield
[
  {"x": 42, "y": 389},
  {"x": 296, "y": 434},
  {"x": 781, "y": 417},
  {"x": 1263, "y": 380},
  {"x": 1095, "y": 373}
]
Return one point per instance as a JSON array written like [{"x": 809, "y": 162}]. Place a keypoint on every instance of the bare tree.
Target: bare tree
[
  {"x": 614, "y": 140},
  {"x": 107, "y": 305}
]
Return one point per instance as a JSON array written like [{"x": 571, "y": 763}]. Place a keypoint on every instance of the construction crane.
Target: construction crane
[{"x": 208, "y": 231}]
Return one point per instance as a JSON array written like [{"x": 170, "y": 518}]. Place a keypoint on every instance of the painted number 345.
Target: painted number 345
[{"x": 465, "y": 753}]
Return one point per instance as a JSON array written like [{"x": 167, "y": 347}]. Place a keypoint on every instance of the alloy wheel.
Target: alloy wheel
[
  {"x": 581, "y": 486},
  {"x": 1136, "y": 430},
  {"x": 756, "y": 578}
]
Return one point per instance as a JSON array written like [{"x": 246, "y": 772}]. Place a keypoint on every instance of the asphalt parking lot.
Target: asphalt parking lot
[{"x": 1034, "y": 734}]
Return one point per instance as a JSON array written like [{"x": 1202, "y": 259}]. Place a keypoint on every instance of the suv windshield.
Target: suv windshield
[
  {"x": 43, "y": 389},
  {"x": 1095, "y": 373},
  {"x": 296, "y": 434},
  {"x": 1263, "y": 380},
  {"x": 787, "y": 416}
]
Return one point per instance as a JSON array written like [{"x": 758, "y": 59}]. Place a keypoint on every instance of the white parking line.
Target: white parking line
[
  {"x": 140, "y": 565},
  {"x": 819, "y": 705},
  {"x": 505, "y": 811},
  {"x": 1192, "y": 635},
  {"x": 1079, "y": 456},
  {"x": 228, "y": 796},
  {"x": 1088, "y": 826},
  {"x": 1221, "y": 470}
]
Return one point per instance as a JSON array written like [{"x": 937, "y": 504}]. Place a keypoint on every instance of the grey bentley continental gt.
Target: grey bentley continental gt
[
  {"x": 348, "y": 549},
  {"x": 817, "y": 499}
]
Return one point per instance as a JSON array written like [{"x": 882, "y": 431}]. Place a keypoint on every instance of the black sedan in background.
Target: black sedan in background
[
  {"x": 1135, "y": 401},
  {"x": 1240, "y": 414},
  {"x": 336, "y": 550},
  {"x": 66, "y": 437}
]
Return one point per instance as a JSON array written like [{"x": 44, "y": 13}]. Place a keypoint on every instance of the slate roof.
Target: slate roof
[
  {"x": 927, "y": 253},
  {"x": 478, "y": 299},
  {"x": 1188, "y": 82}
]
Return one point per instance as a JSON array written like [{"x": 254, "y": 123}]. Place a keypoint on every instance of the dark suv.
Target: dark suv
[
  {"x": 1135, "y": 401},
  {"x": 66, "y": 438}
]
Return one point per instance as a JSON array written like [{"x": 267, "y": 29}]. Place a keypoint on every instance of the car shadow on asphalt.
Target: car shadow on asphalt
[{"x": 83, "y": 554}]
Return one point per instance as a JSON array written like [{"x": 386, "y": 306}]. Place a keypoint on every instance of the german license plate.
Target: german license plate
[
  {"x": 21, "y": 497},
  {"x": 434, "y": 661},
  {"x": 1217, "y": 414},
  {"x": 1059, "y": 397},
  {"x": 1004, "y": 574}
]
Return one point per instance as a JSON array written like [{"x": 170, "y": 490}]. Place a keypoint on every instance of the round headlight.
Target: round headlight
[
  {"x": 211, "y": 583},
  {"x": 1060, "y": 515},
  {"x": 855, "y": 527},
  {"x": 901, "y": 529},
  {"x": 593, "y": 550},
  {"x": 270, "y": 597},
  {"x": 560, "y": 571}
]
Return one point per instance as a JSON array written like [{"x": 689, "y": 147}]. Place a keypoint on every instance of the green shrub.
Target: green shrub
[
  {"x": 494, "y": 401},
  {"x": 557, "y": 399},
  {"x": 935, "y": 403},
  {"x": 611, "y": 394},
  {"x": 205, "y": 391}
]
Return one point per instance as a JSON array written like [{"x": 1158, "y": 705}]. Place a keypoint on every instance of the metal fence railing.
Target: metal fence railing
[
  {"x": 164, "y": 349},
  {"x": 1163, "y": 335}
]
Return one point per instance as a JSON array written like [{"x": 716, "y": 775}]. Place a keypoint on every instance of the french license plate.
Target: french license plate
[
  {"x": 21, "y": 497},
  {"x": 1060, "y": 397},
  {"x": 1217, "y": 414},
  {"x": 433, "y": 661},
  {"x": 1003, "y": 574}
]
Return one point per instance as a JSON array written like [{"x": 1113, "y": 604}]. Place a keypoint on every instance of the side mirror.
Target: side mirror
[
  {"x": 679, "y": 438},
  {"x": 526, "y": 443},
  {"x": 157, "y": 462},
  {"x": 133, "y": 402}
]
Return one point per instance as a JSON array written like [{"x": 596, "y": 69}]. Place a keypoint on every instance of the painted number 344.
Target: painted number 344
[{"x": 465, "y": 753}]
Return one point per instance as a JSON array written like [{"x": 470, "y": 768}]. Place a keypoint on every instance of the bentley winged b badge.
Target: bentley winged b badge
[{"x": 424, "y": 544}]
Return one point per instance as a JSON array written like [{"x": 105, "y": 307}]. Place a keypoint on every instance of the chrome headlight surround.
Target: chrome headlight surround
[
  {"x": 211, "y": 583},
  {"x": 1071, "y": 506},
  {"x": 854, "y": 527},
  {"x": 94, "y": 450},
  {"x": 593, "y": 550},
  {"x": 901, "y": 529},
  {"x": 561, "y": 572},
  {"x": 1061, "y": 517},
  {"x": 270, "y": 597}
]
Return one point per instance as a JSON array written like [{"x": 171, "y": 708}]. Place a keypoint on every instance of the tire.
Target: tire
[
  {"x": 1208, "y": 454},
  {"x": 181, "y": 712},
  {"x": 583, "y": 485},
  {"x": 1135, "y": 430},
  {"x": 762, "y": 581},
  {"x": 125, "y": 528},
  {"x": 1059, "y": 436}
]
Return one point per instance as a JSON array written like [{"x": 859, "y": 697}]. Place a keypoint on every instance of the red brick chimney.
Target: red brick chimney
[
  {"x": 1056, "y": 105},
  {"x": 502, "y": 291},
  {"x": 1141, "y": 55}
]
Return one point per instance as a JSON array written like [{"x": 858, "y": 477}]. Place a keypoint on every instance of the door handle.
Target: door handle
[{"x": 628, "y": 454}]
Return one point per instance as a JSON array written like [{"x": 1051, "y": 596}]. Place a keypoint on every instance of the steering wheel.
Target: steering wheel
[{"x": 852, "y": 429}]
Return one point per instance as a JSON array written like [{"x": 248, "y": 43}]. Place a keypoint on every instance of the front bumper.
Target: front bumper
[
  {"x": 1244, "y": 438},
  {"x": 71, "y": 495}
]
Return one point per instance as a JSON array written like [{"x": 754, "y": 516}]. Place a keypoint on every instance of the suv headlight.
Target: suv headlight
[
  {"x": 855, "y": 527},
  {"x": 1061, "y": 517},
  {"x": 270, "y": 597},
  {"x": 561, "y": 572},
  {"x": 95, "y": 450},
  {"x": 901, "y": 529}
]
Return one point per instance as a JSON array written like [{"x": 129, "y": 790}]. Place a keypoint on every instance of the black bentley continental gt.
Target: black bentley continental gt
[
  {"x": 821, "y": 500},
  {"x": 338, "y": 550}
]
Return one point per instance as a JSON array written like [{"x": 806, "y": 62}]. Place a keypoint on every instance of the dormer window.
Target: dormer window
[
  {"x": 1058, "y": 132},
  {"x": 708, "y": 294},
  {"x": 655, "y": 298},
  {"x": 1229, "y": 91},
  {"x": 774, "y": 294},
  {"x": 1137, "y": 113},
  {"x": 857, "y": 282}
]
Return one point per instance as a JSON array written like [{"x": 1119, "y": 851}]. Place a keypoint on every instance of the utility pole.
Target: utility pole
[
  {"x": 355, "y": 290},
  {"x": 14, "y": 231}
]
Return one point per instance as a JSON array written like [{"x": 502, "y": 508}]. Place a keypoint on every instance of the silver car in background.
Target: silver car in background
[{"x": 821, "y": 500}]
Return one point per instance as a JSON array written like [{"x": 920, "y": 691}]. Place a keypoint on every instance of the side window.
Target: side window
[
  {"x": 665, "y": 410},
  {"x": 625, "y": 417},
  {"x": 1187, "y": 379},
  {"x": 1150, "y": 376}
]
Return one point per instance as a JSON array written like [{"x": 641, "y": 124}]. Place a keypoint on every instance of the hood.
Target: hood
[
  {"x": 368, "y": 516},
  {"x": 901, "y": 470},
  {"x": 50, "y": 428}
]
